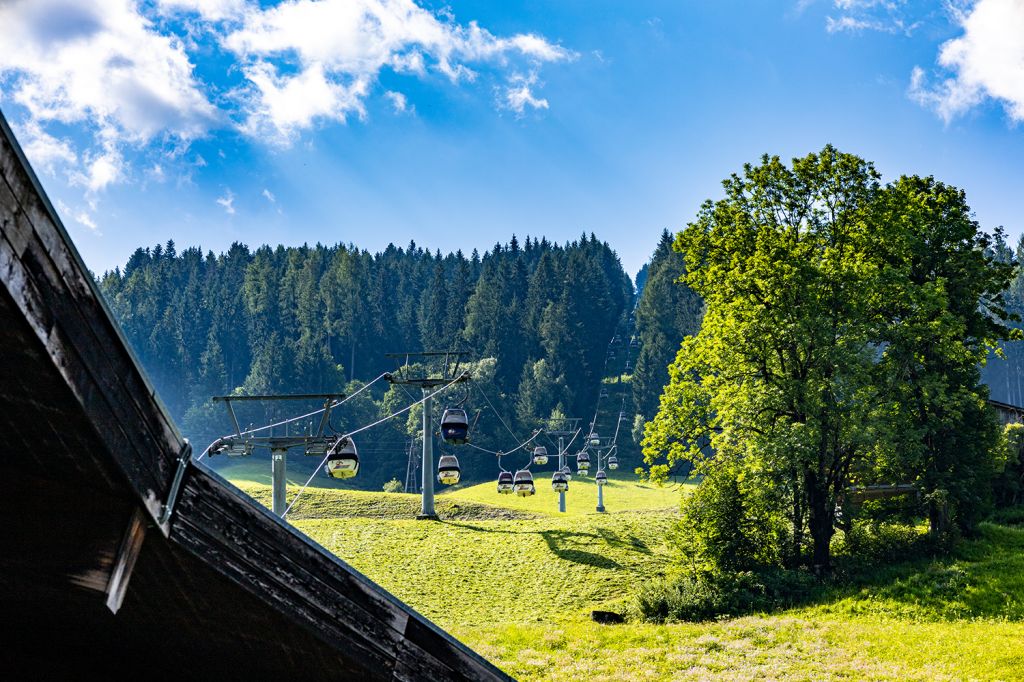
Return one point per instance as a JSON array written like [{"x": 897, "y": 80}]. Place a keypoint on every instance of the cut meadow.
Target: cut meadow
[{"x": 517, "y": 581}]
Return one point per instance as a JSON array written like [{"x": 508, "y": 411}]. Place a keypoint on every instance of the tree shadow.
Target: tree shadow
[
  {"x": 630, "y": 542},
  {"x": 560, "y": 543}
]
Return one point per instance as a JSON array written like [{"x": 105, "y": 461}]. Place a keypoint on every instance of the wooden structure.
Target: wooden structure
[
  {"x": 1008, "y": 414},
  {"x": 122, "y": 556}
]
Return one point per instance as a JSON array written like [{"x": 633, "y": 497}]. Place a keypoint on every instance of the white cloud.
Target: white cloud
[
  {"x": 519, "y": 94},
  {"x": 986, "y": 62},
  {"x": 398, "y": 101},
  {"x": 228, "y": 202},
  {"x": 285, "y": 104},
  {"x": 335, "y": 50},
  {"x": 102, "y": 63},
  {"x": 44, "y": 150},
  {"x": 269, "y": 195},
  {"x": 80, "y": 217},
  {"x": 101, "y": 170}
]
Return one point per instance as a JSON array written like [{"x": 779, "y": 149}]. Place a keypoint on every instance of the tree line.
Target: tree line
[{"x": 322, "y": 319}]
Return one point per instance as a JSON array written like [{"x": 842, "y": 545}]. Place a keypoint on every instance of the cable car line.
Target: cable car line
[
  {"x": 348, "y": 435},
  {"x": 295, "y": 419}
]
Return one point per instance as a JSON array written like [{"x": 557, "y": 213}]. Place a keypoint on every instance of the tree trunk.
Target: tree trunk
[
  {"x": 938, "y": 515},
  {"x": 820, "y": 522},
  {"x": 798, "y": 523}
]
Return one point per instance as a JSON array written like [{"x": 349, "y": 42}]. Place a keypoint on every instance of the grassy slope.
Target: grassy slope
[{"x": 516, "y": 580}]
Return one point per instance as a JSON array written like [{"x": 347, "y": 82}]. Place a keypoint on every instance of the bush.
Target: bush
[
  {"x": 394, "y": 486},
  {"x": 877, "y": 544},
  {"x": 706, "y": 596}
]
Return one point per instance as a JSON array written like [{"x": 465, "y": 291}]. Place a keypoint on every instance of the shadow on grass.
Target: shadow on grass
[
  {"x": 631, "y": 542},
  {"x": 560, "y": 543}
]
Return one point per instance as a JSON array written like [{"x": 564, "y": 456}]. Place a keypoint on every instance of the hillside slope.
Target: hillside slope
[{"x": 516, "y": 580}]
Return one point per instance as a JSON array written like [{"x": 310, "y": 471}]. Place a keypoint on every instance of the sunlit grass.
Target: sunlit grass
[{"x": 516, "y": 580}]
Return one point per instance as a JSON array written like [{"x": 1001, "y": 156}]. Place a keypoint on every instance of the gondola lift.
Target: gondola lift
[
  {"x": 565, "y": 471},
  {"x": 601, "y": 477},
  {"x": 455, "y": 426},
  {"x": 448, "y": 470},
  {"x": 540, "y": 455},
  {"x": 595, "y": 439},
  {"x": 523, "y": 483},
  {"x": 613, "y": 462},
  {"x": 342, "y": 459}
]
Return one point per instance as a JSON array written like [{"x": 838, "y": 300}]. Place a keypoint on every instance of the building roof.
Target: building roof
[{"x": 120, "y": 553}]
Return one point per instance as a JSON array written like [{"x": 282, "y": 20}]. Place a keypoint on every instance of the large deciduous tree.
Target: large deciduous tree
[{"x": 825, "y": 305}]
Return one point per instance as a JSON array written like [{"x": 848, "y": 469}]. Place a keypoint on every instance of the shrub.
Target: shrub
[
  {"x": 705, "y": 596},
  {"x": 394, "y": 486}
]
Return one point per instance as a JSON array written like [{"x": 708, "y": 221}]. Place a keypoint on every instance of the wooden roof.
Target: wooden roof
[{"x": 121, "y": 555}]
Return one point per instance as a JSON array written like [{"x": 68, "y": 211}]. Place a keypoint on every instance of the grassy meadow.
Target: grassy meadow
[{"x": 516, "y": 581}]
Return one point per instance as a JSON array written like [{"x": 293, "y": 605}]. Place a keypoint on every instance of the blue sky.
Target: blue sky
[{"x": 458, "y": 124}]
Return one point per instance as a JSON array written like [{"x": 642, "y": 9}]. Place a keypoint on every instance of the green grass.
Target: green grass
[
  {"x": 619, "y": 495},
  {"x": 516, "y": 581}
]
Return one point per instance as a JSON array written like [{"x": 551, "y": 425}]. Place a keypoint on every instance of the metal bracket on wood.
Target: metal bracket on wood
[
  {"x": 124, "y": 562},
  {"x": 172, "y": 497}
]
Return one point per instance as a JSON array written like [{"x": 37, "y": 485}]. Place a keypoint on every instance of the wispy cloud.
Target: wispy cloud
[
  {"x": 269, "y": 196},
  {"x": 228, "y": 202},
  {"x": 856, "y": 16},
  {"x": 518, "y": 95},
  {"x": 985, "y": 63},
  {"x": 398, "y": 101}
]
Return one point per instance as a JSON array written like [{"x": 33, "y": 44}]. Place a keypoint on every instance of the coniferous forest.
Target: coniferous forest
[{"x": 535, "y": 319}]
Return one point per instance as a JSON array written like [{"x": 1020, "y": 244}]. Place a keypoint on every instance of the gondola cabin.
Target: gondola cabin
[
  {"x": 506, "y": 485},
  {"x": 595, "y": 439},
  {"x": 342, "y": 460},
  {"x": 601, "y": 477},
  {"x": 523, "y": 483},
  {"x": 448, "y": 470},
  {"x": 455, "y": 426},
  {"x": 540, "y": 455},
  {"x": 565, "y": 471},
  {"x": 559, "y": 483},
  {"x": 583, "y": 462},
  {"x": 613, "y": 462}
]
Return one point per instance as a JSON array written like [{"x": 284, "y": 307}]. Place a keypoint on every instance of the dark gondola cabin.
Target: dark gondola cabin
[
  {"x": 343, "y": 459},
  {"x": 506, "y": 483},
  {"x": 601, "y": 477},
  {"x": 583, "y": 462},
  {"x": 559, "y": 483},
  {"x": 613, "y": 462},
  {"x": 455, "y": 426},
  {"x": 523, "y": 484},
  {"x": 595, "y": 439},
  {"x": 448, "y": 470},
  {"x": 540, "y": 455},
  {"x": 565, "y": 471}
]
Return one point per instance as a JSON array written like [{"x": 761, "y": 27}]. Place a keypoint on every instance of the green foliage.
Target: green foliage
[
  {"x": 710, "y": 595},
  {"x": 667, "y": 311},
  {"x": 1009, "y": 485},
  {"x": 844, "y": 323},
  {"x": 394, "y": 486}
]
